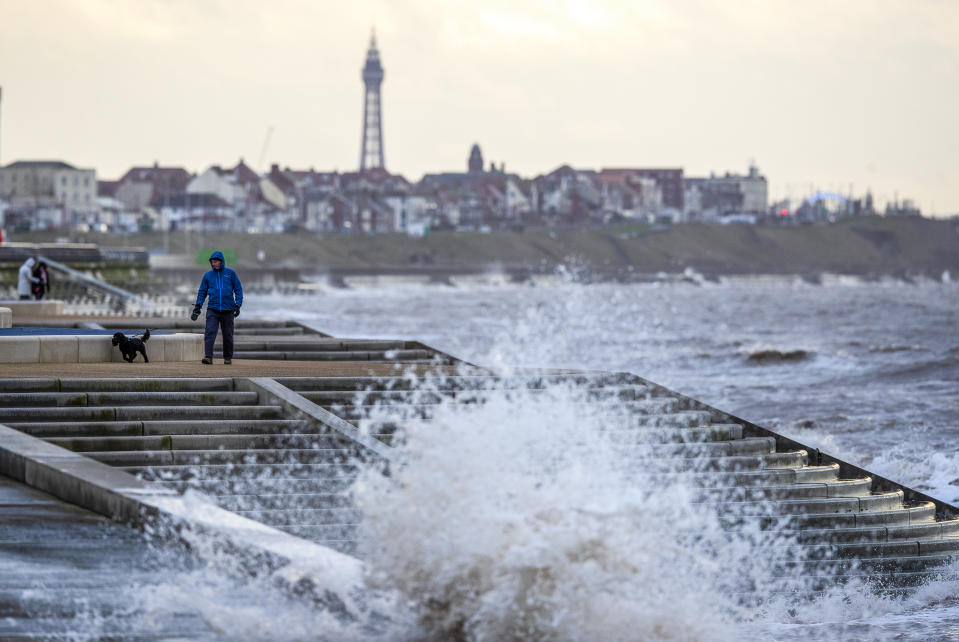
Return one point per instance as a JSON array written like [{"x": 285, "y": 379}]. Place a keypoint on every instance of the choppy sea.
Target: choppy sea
[{"x": 867, "y": 371}]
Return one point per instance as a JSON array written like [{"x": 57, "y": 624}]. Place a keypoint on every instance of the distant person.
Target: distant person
[
  {"x": 223, "y": 287},
  {"x": 43, "y": 285},
  {"x": 26, "y": 280}
]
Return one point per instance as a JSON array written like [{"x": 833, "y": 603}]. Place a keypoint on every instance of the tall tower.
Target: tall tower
[
  {"x": 371, "y": 154},
  {"x": 475, "y": 163}
]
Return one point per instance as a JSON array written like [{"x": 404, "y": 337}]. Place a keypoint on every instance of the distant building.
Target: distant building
[
  {"x": 473, "y": 199},
  {"x": 906, "y": 207},
  {"x": 238, "y": 186},
  {"x": 669, "y": 181},
  {"x": 49, "y": 183},
  {"x": 709, "y": 199},
  {"x": 200, "y": 212},
  {"x": 47, "y": 194},
  {"x": 475, "y": 163},
  {"x": 144, "y": 187},
  {"x": 371, "y": 152},
  {"x": 631, "y": 194}
]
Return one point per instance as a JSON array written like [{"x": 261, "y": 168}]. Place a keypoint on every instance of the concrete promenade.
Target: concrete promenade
[
  {"x": 273, "y": 444},
  {"x": 61, "y": 577}
]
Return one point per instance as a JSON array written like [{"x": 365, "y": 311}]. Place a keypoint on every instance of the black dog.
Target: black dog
[{"x": 129, "y": 346}]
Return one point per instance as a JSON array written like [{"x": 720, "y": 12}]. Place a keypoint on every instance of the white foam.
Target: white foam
[{"x": 520, "y": 519}]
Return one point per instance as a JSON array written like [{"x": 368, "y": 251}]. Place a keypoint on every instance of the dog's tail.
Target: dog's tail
[{"x": 146, "y": 334}]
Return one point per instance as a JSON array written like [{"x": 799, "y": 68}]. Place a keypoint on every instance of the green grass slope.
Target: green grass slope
[{"x": 860, "y": 246}]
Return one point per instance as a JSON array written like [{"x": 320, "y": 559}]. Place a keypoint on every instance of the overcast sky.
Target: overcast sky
[{"x": 821, "y": 94}]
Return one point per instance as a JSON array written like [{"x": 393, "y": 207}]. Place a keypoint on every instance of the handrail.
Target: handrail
[{"x": 97, "y": 283}]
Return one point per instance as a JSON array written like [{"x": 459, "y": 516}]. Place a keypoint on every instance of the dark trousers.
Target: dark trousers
[{"x": 216, "y": 319}]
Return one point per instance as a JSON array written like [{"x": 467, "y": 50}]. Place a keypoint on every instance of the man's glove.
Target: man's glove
[
  {"x": 196, "y": 313},
  {"x": 236, "y": 313}
]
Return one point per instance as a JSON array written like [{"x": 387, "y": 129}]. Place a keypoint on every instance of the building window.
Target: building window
[
  {"x": 63, "y": 180},
  {"x": 86, "y": 181}
]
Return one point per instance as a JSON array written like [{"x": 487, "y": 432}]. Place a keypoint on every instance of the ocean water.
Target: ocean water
[
  {"x": 515, "y": 524},
  {"x": 866, "y": 371}
]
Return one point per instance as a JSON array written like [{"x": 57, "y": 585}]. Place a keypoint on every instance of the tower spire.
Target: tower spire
[{"x": 371, "y": 150}]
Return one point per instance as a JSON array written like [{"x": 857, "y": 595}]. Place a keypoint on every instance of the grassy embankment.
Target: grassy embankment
[{"x": 870, "y": 245}]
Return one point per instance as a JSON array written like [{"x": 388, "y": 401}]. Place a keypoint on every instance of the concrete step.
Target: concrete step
[
  {"x": 701, "y": 450},
  {"x": 210, "y": 472},
  {"x": 884, "y": 582},
  {"x": 41, "y": 399},
  {"x": 333, "y": 535},
  {"x": 446, "y": 384},
  {"x": 352, "y": 355},
  {"x": 201, "y": 457},
  {"x": 231, "y": 427},
  {"x": 30, "y": 384},
  {"x": 679, "y": 419},
  {"x": 747, "y": 478},
  {"x": 263, "y": 485},
  {"x": 242, "y": 331},
  {"x": 171, "y": 398},
  {"x": 137, "y": 384},
  {"x": 430, "y": 396},
  {"x": 138, "y": 413},
  {"x": 199, "y": 442},
  {"x": 322, "y": 535},
  {"x": 882, "y": 502},
  {"x": 189, "y": 427},
  {"x": 305, "y": 516},
  {"x": 311, "y": 343},
  {"x": 668, "y": 434},
  {"x": 857, "y": 567},
  {"x": 283, "y": 501},
  {"x": 929, "y": 530},
  {"x": 843, "y": 488},
  {"x": 62, "y": 399},
  {"x": 900, "y": 548},
  {"x": 694, "y": 467},
  {"x": 906, "y": 516},
  {"x": 144, "y": 384},
  {"x": 648, "y": 409},
  {"x": 362, "y": 397}
]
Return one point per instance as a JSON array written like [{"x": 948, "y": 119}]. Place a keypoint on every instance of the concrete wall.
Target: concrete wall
[
  {"x": 33, "y": 309},
  {"x": 96, "y": 348}
]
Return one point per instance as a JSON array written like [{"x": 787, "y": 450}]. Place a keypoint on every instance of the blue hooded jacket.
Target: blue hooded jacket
[{"x": 220, "y": 285}]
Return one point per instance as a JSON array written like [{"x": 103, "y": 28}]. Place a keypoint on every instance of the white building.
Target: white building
[
  {"x": 49, "y": 184},
  {"x": 708, "y": 199}
]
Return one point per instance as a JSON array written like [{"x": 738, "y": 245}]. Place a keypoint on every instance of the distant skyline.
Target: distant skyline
[{"x": 821, "y": 95}]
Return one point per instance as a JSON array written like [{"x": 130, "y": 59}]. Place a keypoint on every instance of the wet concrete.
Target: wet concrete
[{"x": 67, "y": 573}]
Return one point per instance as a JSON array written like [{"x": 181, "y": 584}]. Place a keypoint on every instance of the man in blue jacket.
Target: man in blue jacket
[{"x": 220, "y": 284}]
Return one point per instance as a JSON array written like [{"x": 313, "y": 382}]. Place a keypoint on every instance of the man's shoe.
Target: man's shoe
[
  {"x": 207, "y": 360},
  {"x": 227, "y": 362}
]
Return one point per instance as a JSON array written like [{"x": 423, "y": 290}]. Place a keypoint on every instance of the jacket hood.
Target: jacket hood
[
  {"x": 30, "y": 262},
  {"x": 218, "y": 255}
]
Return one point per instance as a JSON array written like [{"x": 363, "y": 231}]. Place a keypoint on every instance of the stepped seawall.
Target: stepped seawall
[{"x": 275, "y": 441}]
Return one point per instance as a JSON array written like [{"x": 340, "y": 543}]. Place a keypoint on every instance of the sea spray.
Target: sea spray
[{"x": 517, "y": 516}]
